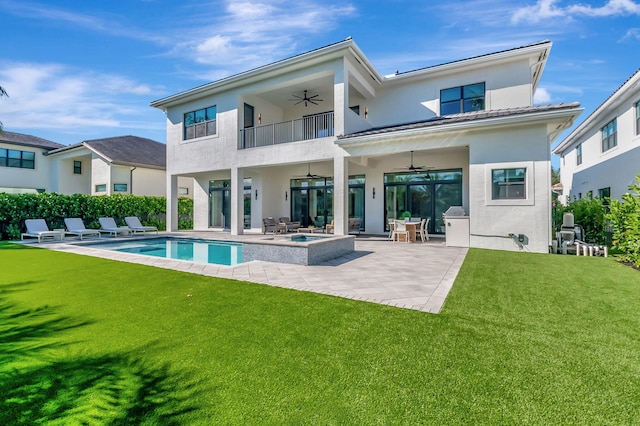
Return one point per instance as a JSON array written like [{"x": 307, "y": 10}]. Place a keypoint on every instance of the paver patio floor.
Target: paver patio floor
[{"x": 413, "y": 276}]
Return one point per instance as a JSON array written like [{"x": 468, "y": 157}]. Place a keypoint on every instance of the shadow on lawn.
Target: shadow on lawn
[{"x": 110, "y": 389}]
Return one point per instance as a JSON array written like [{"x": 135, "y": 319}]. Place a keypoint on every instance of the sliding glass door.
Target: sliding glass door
[{"x": 425, "y": 195}]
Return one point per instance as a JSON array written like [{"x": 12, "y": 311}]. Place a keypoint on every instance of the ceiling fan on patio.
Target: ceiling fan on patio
[
  {"x": 416, "y": 169},
  {"x": 310, "y": 175},
  {"x": 306, "y": 99}
]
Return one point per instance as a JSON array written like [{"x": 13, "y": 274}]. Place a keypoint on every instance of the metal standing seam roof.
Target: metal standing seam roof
[
  {"x": 28, "y": 140},
  {"x": 461, "y": 118},
  {"x": 126, "y": 150}
]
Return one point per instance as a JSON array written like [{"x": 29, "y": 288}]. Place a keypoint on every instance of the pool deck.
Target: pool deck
[{"x": 413, "y": 276}]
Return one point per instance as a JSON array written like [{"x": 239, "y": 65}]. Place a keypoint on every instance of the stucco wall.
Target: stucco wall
[{"x": 38, "y": 178}]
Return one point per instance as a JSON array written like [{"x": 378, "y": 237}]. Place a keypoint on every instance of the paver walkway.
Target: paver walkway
[{"x": 413, "y": 276}]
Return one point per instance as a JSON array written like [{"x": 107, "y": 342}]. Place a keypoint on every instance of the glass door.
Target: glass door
[
  {"x": 220, "y": 204},
  {"x": 425, "y": 195},
  {"x": 312, "y": 201}
]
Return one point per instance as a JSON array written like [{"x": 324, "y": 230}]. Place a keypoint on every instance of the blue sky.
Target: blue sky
[{"x": 78, "y": 70}]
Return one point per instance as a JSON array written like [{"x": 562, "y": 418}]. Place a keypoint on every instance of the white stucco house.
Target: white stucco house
[
  {"x": 23, "y": 166},
  {"x": 601, "y": 156},
  {"x": 323, "y": 136},
  {"x": 123, "y": 164}
]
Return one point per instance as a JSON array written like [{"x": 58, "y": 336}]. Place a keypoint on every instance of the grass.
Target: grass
[{"x": 523, "y": 339}]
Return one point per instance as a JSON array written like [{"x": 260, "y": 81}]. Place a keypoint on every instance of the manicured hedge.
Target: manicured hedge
[{"x": 52, "y": 207}]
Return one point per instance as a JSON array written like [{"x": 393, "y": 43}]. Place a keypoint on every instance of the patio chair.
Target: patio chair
[
  {"x": 38, "y": 228},
  {"x": 269, "y": 224},
  {"x": 400, "y": 228},
  {"x": 291, "y": 226},
  {"x": 75, "y": 226},
  {"x": 392, "y": 223},
  {"x": 354, "y": 225},
  {"x": 134, "y": 223},
  {"x": 108, "y": 225},
  {"x": 424, "y": 229},
  {"x": 330, "y": 228}
]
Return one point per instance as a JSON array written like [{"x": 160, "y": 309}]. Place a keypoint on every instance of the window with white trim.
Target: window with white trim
[
  {"x": 610, "y": 135},
  {"x": 508, "y": 184},
  {"x": 579, "y": 154},
  {"x": 101, "y": 187},
  {"x": 200, "y": 123},
  {"x": 638, "y": 118}
]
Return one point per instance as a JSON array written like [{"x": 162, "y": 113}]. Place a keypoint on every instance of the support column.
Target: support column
[
  {"x": 341, "y": 195},
  {"x": 237, "y": 201},
  {"x": 172, "y": 203}
]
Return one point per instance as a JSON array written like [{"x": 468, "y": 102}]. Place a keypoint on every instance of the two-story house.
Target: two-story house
[
  {"x": 122, "y": 164},
  {"x": 323, "y": 136},
  {"x": 601, "y": 156}
]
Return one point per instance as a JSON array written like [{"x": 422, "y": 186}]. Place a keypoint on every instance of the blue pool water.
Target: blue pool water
[{"x": 201, "y": 251}]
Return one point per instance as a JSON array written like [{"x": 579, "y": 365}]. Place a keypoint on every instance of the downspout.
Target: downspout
[{"x": 131, "y": 180}]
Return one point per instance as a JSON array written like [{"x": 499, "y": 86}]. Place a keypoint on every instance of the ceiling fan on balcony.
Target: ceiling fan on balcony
[
  {"x": 416, "y": 169},
  {"x": 306, "y": 99}
]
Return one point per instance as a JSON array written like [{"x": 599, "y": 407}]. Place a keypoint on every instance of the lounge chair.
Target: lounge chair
[
  {"x": 108, "y": 225},
  {"x": 269, "y": 224},
  {"x": 75, "y": 226},
  {"x": 134, "y": 223},
  {"x": 38, "y": 228},
  {"x": 291, "y": 226}
]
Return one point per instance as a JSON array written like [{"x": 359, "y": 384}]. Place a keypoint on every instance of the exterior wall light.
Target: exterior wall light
[
  {"x": 374, "y": 193},
  {"x": 256, "y": 194},
  {"x": 285, "y": 195},
  {"x": 366, "y": 113}
]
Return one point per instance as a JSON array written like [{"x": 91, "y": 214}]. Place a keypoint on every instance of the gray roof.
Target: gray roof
[
  {"x": 126, "y": 150},
  {"x": 27, "y": 140},
  {"x": 461, "y": 118}
]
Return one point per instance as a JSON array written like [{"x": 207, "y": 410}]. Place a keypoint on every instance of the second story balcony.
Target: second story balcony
[{"x": 305, "y": 128}]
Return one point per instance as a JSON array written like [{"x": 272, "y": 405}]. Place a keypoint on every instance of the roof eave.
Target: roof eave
[
  {"x": 241, "y": 78},
  {"x": 588, "y": 122},
  {"x": 566, "y": 114}
]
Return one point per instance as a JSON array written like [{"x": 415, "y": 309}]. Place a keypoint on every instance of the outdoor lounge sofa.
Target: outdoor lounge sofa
[
  {"x": 134, "y": 223},
  {"x": 75, "y": 226},
  {"x": 269, "y": 224},
  {"x": 37, "y": 228},
  {"x": 108, "y": 225},
  {"x": 291, "y": 226}
]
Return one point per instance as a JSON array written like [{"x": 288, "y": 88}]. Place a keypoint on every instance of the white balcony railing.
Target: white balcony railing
[{"x": 311, "y": 127}]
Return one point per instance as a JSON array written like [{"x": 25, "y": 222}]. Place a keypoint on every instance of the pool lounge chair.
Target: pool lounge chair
[
  {"x": 108, "y": 225},
  {"x": 75, "y": 226},
  {"x": 134, "y": 223},
  {"x": 37, "y": 228}
]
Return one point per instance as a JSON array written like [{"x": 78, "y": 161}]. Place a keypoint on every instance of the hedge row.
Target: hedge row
[{"x": 52, "y": 207}]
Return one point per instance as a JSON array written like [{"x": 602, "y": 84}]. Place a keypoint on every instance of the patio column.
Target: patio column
[
  {"x": 172, "y": 203},
  {"x": 237, "y": 201},
  {"x": 341, "y": 195},
  {"x": 340, "y": 98}
]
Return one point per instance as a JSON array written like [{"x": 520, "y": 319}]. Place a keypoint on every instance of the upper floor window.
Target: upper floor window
[
  {"x": 101, "y": 187},
  {"x": 200, "y": 123},
  {"x": 609, "y": 135},
  {"x": 462, "y": 99},
  {"x": 77, "y": 167},
  {"x": 604, "y": 192},
  {"x": 508, "y": 184},
  {"x": 119, "y": 187},
  {"x": 638, "y": 118},
  {"x": 15, "y": 158},
  {"x": 579, "y": 154}
]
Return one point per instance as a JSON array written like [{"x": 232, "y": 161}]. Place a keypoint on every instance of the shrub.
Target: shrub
[
  {"x": 53, "y": 207},
  {"x": 625, "y": 219}
]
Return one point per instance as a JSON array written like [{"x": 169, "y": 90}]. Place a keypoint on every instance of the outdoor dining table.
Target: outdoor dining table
[{"x": 412, "y": 228}]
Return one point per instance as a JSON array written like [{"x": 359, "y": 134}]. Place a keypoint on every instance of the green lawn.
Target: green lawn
[{"x": 522, "y": 339}]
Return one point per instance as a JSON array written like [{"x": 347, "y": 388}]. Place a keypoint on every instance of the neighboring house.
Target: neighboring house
[
  {"x": 323, "y": 136},
  {"x": 601, "y": 156},
  {"x": 124, "y": 164},
  {"x": 23, "y": 168}
]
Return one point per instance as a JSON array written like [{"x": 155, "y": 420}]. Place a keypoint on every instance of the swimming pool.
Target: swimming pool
[{"x": 202, "y": 251}]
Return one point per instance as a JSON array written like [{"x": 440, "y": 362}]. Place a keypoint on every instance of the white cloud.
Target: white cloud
[
  {"x": 632, "y": 33},
  {"x": 243, "y": 35},
  {"x": 52, "y": 96},
  {"x": 542, "y": 96},
  {"x": 548, "y": 9}
]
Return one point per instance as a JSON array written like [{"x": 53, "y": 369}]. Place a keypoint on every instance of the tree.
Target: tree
[{"x": 2, "y": 93}]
